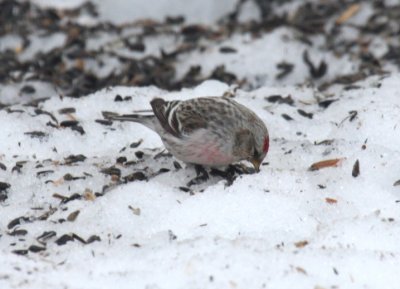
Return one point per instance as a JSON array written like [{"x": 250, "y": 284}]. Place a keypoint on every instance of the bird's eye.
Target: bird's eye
[{"x": 256, "y": 154}]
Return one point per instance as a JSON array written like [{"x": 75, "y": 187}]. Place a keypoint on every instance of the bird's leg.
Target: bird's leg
[
  {"x": 218, "y": 173},
  {"x": 201, "y": 176},
  {"x": 201, "y": 171},
  {"x": 229, "y": 174}
]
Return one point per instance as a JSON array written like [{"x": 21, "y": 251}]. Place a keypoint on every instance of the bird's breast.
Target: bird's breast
[{"x": 201, "y": 149}]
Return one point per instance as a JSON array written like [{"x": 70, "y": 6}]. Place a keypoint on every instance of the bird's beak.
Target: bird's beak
[{"x": 256, "y": 163}]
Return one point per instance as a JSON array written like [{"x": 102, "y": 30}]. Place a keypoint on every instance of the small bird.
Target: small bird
[{"x": 209, "y": 131}]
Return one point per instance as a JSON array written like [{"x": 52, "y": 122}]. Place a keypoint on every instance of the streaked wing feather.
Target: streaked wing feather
[
  {"x": 191, "y": 122},
  {"x": 178, "y": 117},
  {"x": 161, "y": 110}
]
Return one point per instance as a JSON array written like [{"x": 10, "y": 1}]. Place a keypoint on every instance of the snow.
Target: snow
[
  {"x": 42, "y": 44},
  {"x": 256, "y": 59},
  {"x": 241, "y": 236},
  {"x": 207, "y": 11},
  {"x": 122, "y": 11},
  {"x": 285, "y": 227}
]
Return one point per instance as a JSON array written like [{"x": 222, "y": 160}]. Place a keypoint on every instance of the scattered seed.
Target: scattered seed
[
  {"x": 331, "y": 201},
  {"x": 37, "y": 134},
  {"x": 136, "y": 144},
  {"x": 353, "y": 115},
  {"x": 305, "y": 114},
  {"x": 280, "y": 99},
  {"x": 36, "y": 249},
  {"x": 104, "y": 122},
  {"x": 18, "y": 221},
  {"x": 285, "y": 69},
  {"x": 92, "y": 239},
  {"x": 121, "y": 160},
  {"x": 301, "y": 244},
  {"x": 45, "y": 236},
  {"x": 71, "y": 159},
  {"x": 64, "y": 239},
  {"x": 118, "y": 98},
  {"x": 139, "y": 154},
  {"x": 316, "y": 72},
  {"x": 72, "y": 217},
  {"x": 47, "y": 214},
  {"x": 287, "y": 117},
  {"x": 18, "y": 232},
  {"x": 16, "y": 168},
  {"x": 175, "y": 20},
  {"x": 65, "y": 200},
  {"x": 325, "y": 142},
  {"x": 301, "y": 270},
  {"x": 162, "y": 154},
  {"x": 67, "y": 110},
  {"x": 44, "y": 173},
  {"x": 137, "y": 176},
  {"x": 113, "y": 171},
  {"x": 79, "y": 238},
  {"x": 88, "y": 195},
  {"x": 20, "y": 252},
  {"x": 227, "y": 49},
  {"x": 326, "y": 103},
  {"x": 69, "y": 123},
  {"x": 325, "y": 164},
  {"x": 58, "y": 196},
  {"x": 161, "y": 171},
  {"x": 39, "y": 111},
  {"x": 356, "y": 169},
  {"x": 73, "y": 124},
  {"x": 348, "y": 13},
  {"x": 4, "y": 186},
  {"x": 27, "y": 89},
  {"x": 177, "y": 165},
  {"x": 137, "y": 46},
  {"x": 136, "y": 211},
  {"x": 172, "y": 236}
]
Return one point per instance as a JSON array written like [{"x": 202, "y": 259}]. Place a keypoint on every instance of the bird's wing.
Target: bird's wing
[{"x": 177, "y": 118}]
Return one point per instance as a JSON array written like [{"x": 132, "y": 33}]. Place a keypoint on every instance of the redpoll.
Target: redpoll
[{"x": 210, "y": 131}]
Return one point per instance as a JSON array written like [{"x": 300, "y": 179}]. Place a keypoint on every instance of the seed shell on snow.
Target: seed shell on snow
[
  {"x": 325, "y": 164},
  {"x": 356, "y": 169},
  {"x": 72, "y": 217}
]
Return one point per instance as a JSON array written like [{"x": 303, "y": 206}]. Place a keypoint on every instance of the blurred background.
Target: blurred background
[{"x": 73, "y": 48}]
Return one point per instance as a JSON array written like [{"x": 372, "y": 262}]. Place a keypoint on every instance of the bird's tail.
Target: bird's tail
[{"x": 145, "y": 119}]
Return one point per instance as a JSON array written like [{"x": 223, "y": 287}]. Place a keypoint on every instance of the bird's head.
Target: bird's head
[
  {"x": 260, "y": 150},
  {"x": 260, "y": 142},
  {"x": 252, "y": 144}
]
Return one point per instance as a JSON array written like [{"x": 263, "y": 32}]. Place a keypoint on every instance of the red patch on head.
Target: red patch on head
[{"x": 266, "y": 145}]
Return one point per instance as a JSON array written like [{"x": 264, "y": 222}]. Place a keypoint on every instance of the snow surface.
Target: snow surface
[
  {"x": 285, "y": 227},
  {"x": 242, "y": 236},
  {"x": 122, "y": 11}
]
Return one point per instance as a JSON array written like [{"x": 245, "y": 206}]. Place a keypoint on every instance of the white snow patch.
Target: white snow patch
[{"x": 248, "y": 235}]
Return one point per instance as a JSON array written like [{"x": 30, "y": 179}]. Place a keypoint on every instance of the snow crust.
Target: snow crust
[
  {"x": 285, "y": 227},
  {"x": 241, "y": 236}
]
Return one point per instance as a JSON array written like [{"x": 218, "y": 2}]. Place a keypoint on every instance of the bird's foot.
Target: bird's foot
[
  {"x": 229, "y": 175},
  {"x": 201, "y": 176}
]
